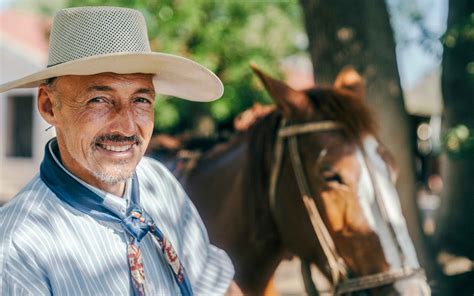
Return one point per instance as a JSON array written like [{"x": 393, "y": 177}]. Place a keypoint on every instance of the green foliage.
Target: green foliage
[
  {"x": 223, "y": 36},
  {"x": 460, "y": 36},
  {"x": 459, "y": 44},
  {"x": 461, "y": 32},
  {"x": 459, "y": 141}
]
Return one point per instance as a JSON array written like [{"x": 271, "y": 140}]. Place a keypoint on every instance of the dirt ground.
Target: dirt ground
[{"x": 287, "y": 279}]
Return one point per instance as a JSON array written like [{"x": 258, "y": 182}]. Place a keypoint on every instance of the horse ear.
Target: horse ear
[
  {"x": 292, "y": 103},
  {"x": 349, "y": 79}
]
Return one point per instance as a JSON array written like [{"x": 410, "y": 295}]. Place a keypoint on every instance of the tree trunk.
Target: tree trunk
[
  {"x": 358, "y": 33},
  {"x": 456, "y": 217}
]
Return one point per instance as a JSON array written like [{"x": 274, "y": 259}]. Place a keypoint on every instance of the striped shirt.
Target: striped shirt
[{"x": 48, "y": 247}]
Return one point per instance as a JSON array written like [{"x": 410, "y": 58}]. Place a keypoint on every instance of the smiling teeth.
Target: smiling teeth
[{"x": 116, "y": 148}]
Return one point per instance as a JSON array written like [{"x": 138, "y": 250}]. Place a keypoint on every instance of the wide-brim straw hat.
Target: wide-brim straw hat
[{"x": 92, "y": 40}]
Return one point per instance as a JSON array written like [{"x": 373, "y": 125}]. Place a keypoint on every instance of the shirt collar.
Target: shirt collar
[{"x": 116, "y": 203}]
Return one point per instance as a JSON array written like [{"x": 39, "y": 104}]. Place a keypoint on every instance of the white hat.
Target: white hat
[{"x": 91, "y": 40}]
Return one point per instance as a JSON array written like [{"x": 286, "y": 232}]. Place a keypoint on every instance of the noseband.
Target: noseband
[{"x": 339, "y": 271}]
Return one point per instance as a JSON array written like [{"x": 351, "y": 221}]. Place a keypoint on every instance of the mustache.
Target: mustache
[{"x": 118, "y": 139}]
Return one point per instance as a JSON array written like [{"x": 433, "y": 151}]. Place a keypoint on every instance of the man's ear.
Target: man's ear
[
  {"x": 350, "y": 80},
  {"x": 46, "y": 105},
  {"x": 292, "y": 103}
]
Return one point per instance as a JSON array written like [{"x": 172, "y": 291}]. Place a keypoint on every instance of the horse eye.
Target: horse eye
[{"x": 331, "y": 176}]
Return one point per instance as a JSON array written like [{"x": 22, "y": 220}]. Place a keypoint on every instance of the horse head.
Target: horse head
[{"x": 338, "y": 206}]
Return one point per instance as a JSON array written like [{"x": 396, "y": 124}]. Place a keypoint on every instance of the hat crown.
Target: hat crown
[{"x": 91, "y": 31}]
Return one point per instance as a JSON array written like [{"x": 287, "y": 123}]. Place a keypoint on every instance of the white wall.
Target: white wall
[{"x": 16, "y": 62}]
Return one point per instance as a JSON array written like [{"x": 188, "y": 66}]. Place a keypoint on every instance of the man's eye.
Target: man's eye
[
  {"x": 142, "y": 100},
  {"x": 98, "y": 100}
]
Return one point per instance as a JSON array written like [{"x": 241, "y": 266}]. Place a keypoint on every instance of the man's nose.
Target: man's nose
[{"x": 124, "y": 121}]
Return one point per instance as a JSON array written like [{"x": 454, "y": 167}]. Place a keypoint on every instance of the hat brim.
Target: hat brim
[{"x": 173, "y": 75}]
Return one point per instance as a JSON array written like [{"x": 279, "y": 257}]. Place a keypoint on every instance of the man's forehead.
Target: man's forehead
[{"x": 85, "y": 81}]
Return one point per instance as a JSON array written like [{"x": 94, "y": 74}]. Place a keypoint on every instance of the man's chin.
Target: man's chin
[
  {"x": 114, "y": 173},
  {"x": 111, "y": 178}
]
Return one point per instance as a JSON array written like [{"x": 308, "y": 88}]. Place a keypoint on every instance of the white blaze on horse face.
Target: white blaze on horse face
[{"x": 391, "y": 201}]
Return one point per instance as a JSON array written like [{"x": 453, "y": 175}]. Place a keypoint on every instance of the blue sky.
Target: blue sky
[{"x": 413, "y": 60}]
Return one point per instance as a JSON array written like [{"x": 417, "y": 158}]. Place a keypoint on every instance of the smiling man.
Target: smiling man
[
  {"x": 103, "y": 124},
  {"x": 99, "y": 218}
]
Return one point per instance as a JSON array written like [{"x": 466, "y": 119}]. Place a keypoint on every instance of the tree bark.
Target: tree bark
[
  {"x": 455, "y": 221},
  {"x": 358, "y": 33}
]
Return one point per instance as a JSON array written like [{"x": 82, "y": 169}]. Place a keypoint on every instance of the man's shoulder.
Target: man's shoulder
[
  {"x": 24, "y": 204},
  {"x": 17, "y": 217},
  {"x": 24, "y": 210}
]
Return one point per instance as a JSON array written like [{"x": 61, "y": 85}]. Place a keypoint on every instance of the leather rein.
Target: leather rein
[{"x": 341, "y": 283}]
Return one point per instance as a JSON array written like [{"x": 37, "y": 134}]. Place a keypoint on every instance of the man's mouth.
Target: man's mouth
[
  {"x": 115, "y": 148},
  {"x": 117, "y": 143}
]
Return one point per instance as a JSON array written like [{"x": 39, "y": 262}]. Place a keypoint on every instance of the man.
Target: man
[{"x": 99, "y": 218}]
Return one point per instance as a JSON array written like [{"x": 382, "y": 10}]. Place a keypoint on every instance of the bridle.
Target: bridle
[{"x": 341, "y": 283}]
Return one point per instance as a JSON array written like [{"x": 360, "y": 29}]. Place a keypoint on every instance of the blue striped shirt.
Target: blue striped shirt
[{"x": 48, "y": 247}]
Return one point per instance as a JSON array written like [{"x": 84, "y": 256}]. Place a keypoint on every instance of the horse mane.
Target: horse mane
[
  {"x": 260, "y": 138},
  {"x": 344, "y": 107},
  {"x": 340, "y": 105}
]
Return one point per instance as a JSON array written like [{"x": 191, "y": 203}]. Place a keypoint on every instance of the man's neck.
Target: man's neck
[{"x": 116, "y": 189}]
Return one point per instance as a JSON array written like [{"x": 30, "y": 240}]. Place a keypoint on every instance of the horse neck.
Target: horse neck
[
  {"x": 224, "y": 165},
  {"x": 237, "y": 172},
  {"x": 229, "y": 186}
]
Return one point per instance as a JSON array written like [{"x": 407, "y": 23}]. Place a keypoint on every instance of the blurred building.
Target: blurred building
[
  {"x": 23, "y": 50},
  {"x": 424, "y": 103},
  {"x": 424, "y": 97}
]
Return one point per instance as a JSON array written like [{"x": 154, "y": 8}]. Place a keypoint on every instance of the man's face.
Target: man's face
[{"x": 103, "y": 123}]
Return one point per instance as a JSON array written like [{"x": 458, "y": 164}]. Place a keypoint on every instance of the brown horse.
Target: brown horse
[{"x": 308, "y": 178}]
